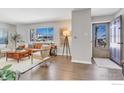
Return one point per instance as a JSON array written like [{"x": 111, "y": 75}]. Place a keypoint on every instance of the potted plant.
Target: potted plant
[
  {"x": 15, "y": 37},
  {"x": 7, "y": 74}
]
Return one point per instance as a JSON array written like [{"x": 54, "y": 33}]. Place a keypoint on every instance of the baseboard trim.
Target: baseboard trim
[
  {"x": 79, "y": 61},
  {"x": 59, "y": 54},
  {"x": 62, "y": 54}
]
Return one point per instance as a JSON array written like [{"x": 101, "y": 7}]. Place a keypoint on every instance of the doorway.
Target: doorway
[
  {"x": 107, "y": 42},
  {"x": 100, "y": 40}
]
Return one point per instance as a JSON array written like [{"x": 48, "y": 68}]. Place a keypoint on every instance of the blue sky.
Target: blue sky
[{"x": 101, "y": 31}]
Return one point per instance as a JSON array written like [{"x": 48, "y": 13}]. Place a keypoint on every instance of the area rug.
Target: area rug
[
  {"x": 23, "y": 66},
  {"x": 106, "y": 63}
]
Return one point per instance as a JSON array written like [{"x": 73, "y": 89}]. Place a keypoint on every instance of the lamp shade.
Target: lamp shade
[{"x": 66, "y": 33}]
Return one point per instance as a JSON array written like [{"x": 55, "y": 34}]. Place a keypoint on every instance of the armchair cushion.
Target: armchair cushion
[{"x": 37, "y": 45}]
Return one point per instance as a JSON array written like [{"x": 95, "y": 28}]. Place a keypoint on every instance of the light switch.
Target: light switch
[{"x": 75, "y": 37}]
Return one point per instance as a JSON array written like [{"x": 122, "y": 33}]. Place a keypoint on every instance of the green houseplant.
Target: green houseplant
[{"x": 7, "y": 74}]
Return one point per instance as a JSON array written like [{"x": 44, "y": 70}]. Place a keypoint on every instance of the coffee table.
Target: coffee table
[{"x": 17, "y": 55}]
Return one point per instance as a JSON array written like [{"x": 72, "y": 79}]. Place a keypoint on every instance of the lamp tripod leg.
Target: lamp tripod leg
[
  {"x": 63, "y": 48},
  {"x": 68, "y": 47}
]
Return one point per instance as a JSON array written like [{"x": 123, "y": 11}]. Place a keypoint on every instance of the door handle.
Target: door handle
[{"x": 120, "y": 43}]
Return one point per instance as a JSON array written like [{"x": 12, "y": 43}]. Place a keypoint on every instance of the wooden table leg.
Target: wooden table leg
[{"x": 6, "y": 57}]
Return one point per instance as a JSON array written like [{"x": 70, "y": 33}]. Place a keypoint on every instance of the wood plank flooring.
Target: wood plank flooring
[{"x": 61, "y": 68}]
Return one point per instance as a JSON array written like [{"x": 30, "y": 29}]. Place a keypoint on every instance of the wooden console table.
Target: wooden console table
[{"x": 18, "y": 54}]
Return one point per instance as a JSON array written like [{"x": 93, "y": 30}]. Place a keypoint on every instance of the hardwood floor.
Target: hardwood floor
[{"x": 61, "y": 68}]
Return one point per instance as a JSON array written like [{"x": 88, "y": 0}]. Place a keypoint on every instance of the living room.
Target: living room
[
  {"x": 34, "y": 36},
  {"x": 36, "y": 30}
]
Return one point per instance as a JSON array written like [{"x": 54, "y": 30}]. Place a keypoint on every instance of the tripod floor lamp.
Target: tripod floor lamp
[{"x": 66, "y": 47}]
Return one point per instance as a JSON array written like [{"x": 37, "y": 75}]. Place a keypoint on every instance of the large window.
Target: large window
[
  {"x": 42, "y": 34},
  {"x": 3, "y": 36}
]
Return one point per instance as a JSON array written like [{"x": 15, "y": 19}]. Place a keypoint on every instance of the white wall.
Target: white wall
[
  {"x": 99, "y": 19},
  {"x": 120, "y": 12},
  {"x": 81, "y": 36},
  {"x": 10, "y": 28},
  {"x": 24, "y": 30}
]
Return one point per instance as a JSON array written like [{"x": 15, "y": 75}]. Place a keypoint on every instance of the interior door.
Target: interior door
[{"x": 116, "y": 40}]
